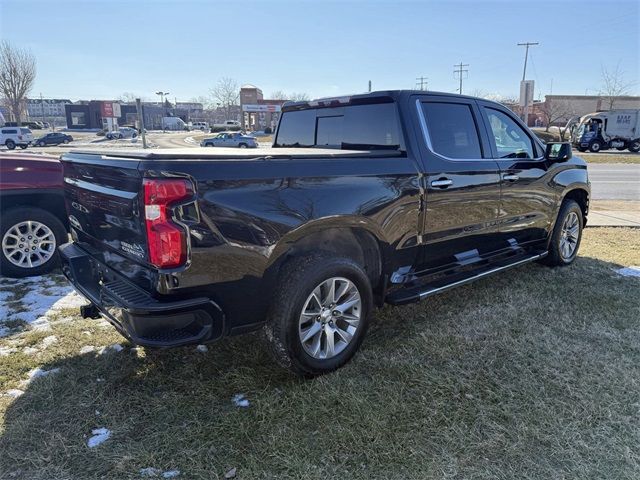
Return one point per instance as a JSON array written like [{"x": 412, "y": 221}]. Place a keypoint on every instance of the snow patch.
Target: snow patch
[
  {"x": 87, "y": 349},
  {"x": 116, "y": 347},
  {"x": 240, "y": 400},
  {"x": 632, "y": 271},
  {"x": 30, "y": 350},
  {"x": 39, "y": 372},
  {"x": 48, "y": 341},
  {"x": 6, "y": 351},
  {"x": 150, "y": 472},
  {"x": 171, "y": 474},
  {"x": 99, "y": 436},
  {"x": 14, "y": 393},
  {"x": 202, "y": 348}
]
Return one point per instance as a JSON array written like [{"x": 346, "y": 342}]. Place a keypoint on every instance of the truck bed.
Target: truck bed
[{"x": 230, "y": 154}]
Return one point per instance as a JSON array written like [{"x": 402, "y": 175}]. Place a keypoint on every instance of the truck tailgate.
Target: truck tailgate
[{"x": 103, "y": 200}]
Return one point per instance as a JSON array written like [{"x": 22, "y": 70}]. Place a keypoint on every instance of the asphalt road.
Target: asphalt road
[{"x": 614, "y": 181}]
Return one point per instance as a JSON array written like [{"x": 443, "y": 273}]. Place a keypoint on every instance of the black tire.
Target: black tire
[
  {"x": 14, "y": 216},
  {"x": 66, "y": 140},
  {"x": 634, "y": 146},
  {"x": 582, "y": 149},
  {"x": 10, "y": 144},
  {"x": 23, "y": 147},
  {"x": 556, "y": 258},
  {"x": 621, "y": 148},
  {"x": 297, "y": 279},
  {"x": 595, "y": 146},
  {"x": 242, "y": 145},
  {"x": 41, "y": 144}
]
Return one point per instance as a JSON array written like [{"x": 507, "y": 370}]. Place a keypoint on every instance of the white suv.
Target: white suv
[
  {"x": 204, "y": 126},
  {"x": 15, "y": 136}
]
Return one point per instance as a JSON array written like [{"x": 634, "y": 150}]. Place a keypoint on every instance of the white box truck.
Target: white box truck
[{"x": 619, "y": 129}]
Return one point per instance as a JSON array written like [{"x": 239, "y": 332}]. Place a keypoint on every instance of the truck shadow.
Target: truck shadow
[{"x": 126, "y": 391}]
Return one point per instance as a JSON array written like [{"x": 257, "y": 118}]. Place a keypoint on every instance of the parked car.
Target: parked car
[
  {"x": 15, "y": 136},
  {"x": 32, "y": 214},
  {"x": 54, "y": 138},
  {"x": 122, "y": 132},
  {"x": 204, "y": 126},
  {"x": 230, "y": 139},
  {"x": 386, "y": 197},
  {"x": 174, "y": 123}
]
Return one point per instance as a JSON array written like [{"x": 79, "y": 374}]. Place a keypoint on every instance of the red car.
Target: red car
[{"x": 33, "y": 221}]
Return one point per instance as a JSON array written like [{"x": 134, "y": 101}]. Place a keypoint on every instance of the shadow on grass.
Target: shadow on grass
[{"x": 495, "y": 379}]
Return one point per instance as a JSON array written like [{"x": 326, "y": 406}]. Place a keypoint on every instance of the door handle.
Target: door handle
[
  {"x": 510, "y": 177},
  {"x": 442, "y": 183}
]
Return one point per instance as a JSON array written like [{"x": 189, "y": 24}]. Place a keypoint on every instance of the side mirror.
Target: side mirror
[{"x": 558, "y": 151}]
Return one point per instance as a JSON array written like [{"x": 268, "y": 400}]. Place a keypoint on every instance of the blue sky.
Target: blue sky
[{"x": 100, "y": 49}]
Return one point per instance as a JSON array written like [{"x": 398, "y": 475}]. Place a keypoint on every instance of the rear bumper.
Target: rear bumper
[{"x": 137, "y": 315}]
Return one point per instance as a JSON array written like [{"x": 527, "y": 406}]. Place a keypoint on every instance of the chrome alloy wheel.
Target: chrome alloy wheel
[
  {"x": 569, "y": 235},
  {"x": 29, "y": 244},
  {"x": 330, "y": 318}
]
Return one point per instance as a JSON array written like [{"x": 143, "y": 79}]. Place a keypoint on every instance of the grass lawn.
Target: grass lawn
[
  {"x": 534, "y": 373},
  {"x": 626, "y": 157}
]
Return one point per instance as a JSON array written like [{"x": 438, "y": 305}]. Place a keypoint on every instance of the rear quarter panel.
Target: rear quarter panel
[{"x": 252, "y": 212}]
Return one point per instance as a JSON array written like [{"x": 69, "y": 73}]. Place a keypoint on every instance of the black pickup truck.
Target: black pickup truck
[{"x": 382, "y": 197}]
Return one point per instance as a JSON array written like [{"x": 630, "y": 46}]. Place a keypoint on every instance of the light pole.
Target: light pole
[{"x": 162, "y": 95}]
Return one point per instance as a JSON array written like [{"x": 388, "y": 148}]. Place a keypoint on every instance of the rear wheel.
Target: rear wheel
[
  {"x": 566, "y": 236},
  {"x": 66, "y": 140},
  {"x": 23, "y": 147},
  {"x": 29, "y": 237},
  {"x": 243, "y": 145},
  {"x": 319, "y": 314},
  {"x": 634, "y": 146},
  {"x": 10, "y": 144}
]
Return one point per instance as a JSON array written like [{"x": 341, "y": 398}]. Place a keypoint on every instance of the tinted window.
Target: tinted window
[
  {"x": 25, "y": 130},
  {"x": 297, "y": 129},
  {"x": 367, "y": 127},
  {"x": 510, "y": 140},
  {"x": 452, "y": 130},
  {"x": 10, "y": 131}
]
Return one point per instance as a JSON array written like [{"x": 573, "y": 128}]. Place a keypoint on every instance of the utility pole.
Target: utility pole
[
  {"x": 460, "y": 71},
  {"x": 162, "y": 94},
  {"x": 369, "y": 85},
  {"x": 421, "y": 83},
  {"x": 524, "y": 73},
  {"x": 42, "y": 106},
  {"x": 141, "y": 122}
]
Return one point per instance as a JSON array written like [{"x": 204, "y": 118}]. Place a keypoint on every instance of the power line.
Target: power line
[
  {"x": 460, "y": 71},
  {"x": 421, "y": 83}
]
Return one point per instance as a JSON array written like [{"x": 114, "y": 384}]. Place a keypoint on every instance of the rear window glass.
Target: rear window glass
[
  {"x": 452, "y": 130},
  {"x": 355, "y": 127}
]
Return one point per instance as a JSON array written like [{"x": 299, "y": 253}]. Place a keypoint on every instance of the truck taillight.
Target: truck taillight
[{"x": 167, "y": 241}]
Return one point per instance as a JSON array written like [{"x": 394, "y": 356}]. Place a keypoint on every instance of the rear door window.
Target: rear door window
[{"x": 452, "y": 130}]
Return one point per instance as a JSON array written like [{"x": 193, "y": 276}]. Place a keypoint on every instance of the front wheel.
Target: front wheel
[
  {"x": 595, "y": 146},
  {"x": 319, "y": 314},
  {"x": 66, "y": 140},
  {"x": 566, "y": 236}
]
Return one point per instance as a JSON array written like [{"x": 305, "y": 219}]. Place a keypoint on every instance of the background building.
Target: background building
[
  {"x": 50, "y": 110},
  {"x": 258, "y": 113}
]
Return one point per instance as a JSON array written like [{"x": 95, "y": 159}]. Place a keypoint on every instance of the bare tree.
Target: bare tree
[
  {"x": 17, "y": 74},
  {"x": 227, "y": 94},
  {"x": 552, "y": 111},
  {"x": 299, "y": 97},
  {"x": 614, "y": 85},
  {"x": 279, "y": 95}
]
